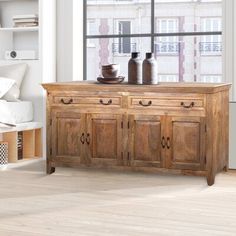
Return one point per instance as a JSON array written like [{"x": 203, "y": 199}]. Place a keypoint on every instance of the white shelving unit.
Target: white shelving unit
[
  {"x": 14, "y": 38},
  {"x": 42, "y": 39},
  {"x": 23, "y": 38}
]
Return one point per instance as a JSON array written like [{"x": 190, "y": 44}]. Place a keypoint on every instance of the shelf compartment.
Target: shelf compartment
[{"x": 32, "y": 144}]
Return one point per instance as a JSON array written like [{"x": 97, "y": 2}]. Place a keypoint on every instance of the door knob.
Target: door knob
[
  {"x": 163, "y": 142},
  {"x": 168, "y": 143},
  {"x": 82, "y": 138},
  {"x": 88, "y": 139}
]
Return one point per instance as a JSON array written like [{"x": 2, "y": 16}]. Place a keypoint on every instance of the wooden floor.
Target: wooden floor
[{"x": 100, "y": 203}]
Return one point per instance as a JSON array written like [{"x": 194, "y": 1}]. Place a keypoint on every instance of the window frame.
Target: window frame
[{"x": 152, "y": 35}]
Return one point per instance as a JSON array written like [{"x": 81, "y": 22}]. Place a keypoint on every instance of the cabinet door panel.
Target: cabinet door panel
[
  {"x": 67, "y": 128},
  {"x": 187, "y": 135},
  {"x": 187, "y": 143},
  {"x": 103, "y": 145},
  {"x": 145, "y": 138},
  {"x": 105, "y": 138}
]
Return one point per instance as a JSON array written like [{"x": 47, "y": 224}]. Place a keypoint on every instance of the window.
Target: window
[
  {"x": 123, "y": 45},
  {"x": 211, "y": 44},
  {"x": 167, "y": 45},
  {"x": 185, "y": 36}
]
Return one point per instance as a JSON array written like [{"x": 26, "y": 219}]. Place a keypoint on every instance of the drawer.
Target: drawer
[
  {"x": 88, "y": 100},
  {"x": 150, "y": 102}
]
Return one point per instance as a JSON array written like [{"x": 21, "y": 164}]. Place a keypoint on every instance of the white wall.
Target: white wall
[
  {"x": 77, "y": 40},
  {"x": 69, "y": 40},
  {"x": 228, "y": 49},
  {"x": 47, "y": 52},
  {"x": 64, "y": 40},
  {"x": 232, "y": 136},
  {"x": 48, "y": 40},
  {"x": 230, "y": 71}
]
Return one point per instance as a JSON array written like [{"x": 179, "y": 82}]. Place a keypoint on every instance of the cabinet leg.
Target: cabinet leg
[
  {"x": 50, "y": 169},
  {"x": 226, "y": 168},
  {"x": 210, "y": 180}
]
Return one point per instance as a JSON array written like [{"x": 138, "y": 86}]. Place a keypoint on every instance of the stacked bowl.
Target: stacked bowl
[{"x": 110, "y": 74}]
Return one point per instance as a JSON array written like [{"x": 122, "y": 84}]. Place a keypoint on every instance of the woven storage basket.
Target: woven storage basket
[{"x": 3, "y": 154}]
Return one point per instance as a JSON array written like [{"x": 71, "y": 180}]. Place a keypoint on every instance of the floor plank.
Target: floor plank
[{"x": 103, "y": 203}]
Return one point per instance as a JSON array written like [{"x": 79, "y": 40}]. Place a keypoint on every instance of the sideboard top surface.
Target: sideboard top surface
[{"x": 125, "y": 87}]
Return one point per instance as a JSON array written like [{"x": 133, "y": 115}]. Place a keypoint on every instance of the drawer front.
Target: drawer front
[
  {"x": 150, "y": 102},
  {"x": 88, "y": 100}
]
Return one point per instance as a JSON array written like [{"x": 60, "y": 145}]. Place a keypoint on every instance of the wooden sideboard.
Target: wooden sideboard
[{"x": 170, "y": 127}]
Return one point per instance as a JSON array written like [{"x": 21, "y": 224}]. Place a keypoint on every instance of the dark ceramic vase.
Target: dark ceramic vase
[
  {"x": 150, "y": 70},
  {"x": 135, "y": 69}
]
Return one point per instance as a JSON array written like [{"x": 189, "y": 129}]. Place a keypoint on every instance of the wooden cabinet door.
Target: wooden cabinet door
[
  {"x": 185, "y": 143},
  {"x": 104, "y": 139},
  {"x": 146, "y": 136},
  {"x": 68, "y": 136}
]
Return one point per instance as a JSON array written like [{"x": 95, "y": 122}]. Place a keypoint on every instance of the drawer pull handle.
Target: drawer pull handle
[
  {"x": 168, "y": 143},
  {"x": 82, "y": 138},
  {"x": 88, "y": 139},
  {"x": 187, "y": 106},
  {"x": 104, "y": 103},
  {"x": 145, "y": 105},
  {"x": 66, "y": 102},
  {"x": 163, "y": 142}
]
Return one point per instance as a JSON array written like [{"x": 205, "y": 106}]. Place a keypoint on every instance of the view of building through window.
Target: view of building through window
[{"x": 189, "y": 50}]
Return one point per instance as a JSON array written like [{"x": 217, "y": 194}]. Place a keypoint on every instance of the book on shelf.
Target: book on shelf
[
  {"x": 30, "y": 16},
  {"x": 25, "y": 25},
  {"x": 26, "y": 21},
  {"x": 20, "y": 145},
  {"x": 29, "y": 20}
]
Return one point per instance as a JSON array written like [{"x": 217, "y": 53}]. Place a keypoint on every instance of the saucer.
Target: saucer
[{"x": 111, "y": 80}]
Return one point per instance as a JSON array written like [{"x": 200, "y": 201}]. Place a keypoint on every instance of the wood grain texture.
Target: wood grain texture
[
  {"x": 217, "y": 134},
  {"x": 187, "y": 136},
  {"x": 159, "y": 102},
  {"x": 29, "y": 144},
  {"x": 187, "y": 140},
  {"x": 68, "y": 137},
  {"x": 180, "y": 126},
  {"x": 95, "y": 100},
  {"x": 104, "y": 138},
  {"x": 160, "y": 88},
  {"x": 67, "y": 128},
  {"x": 38, "y": 143},
  {"x": 50, "y": 168},
  {"x": 145, "y": 136}
]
